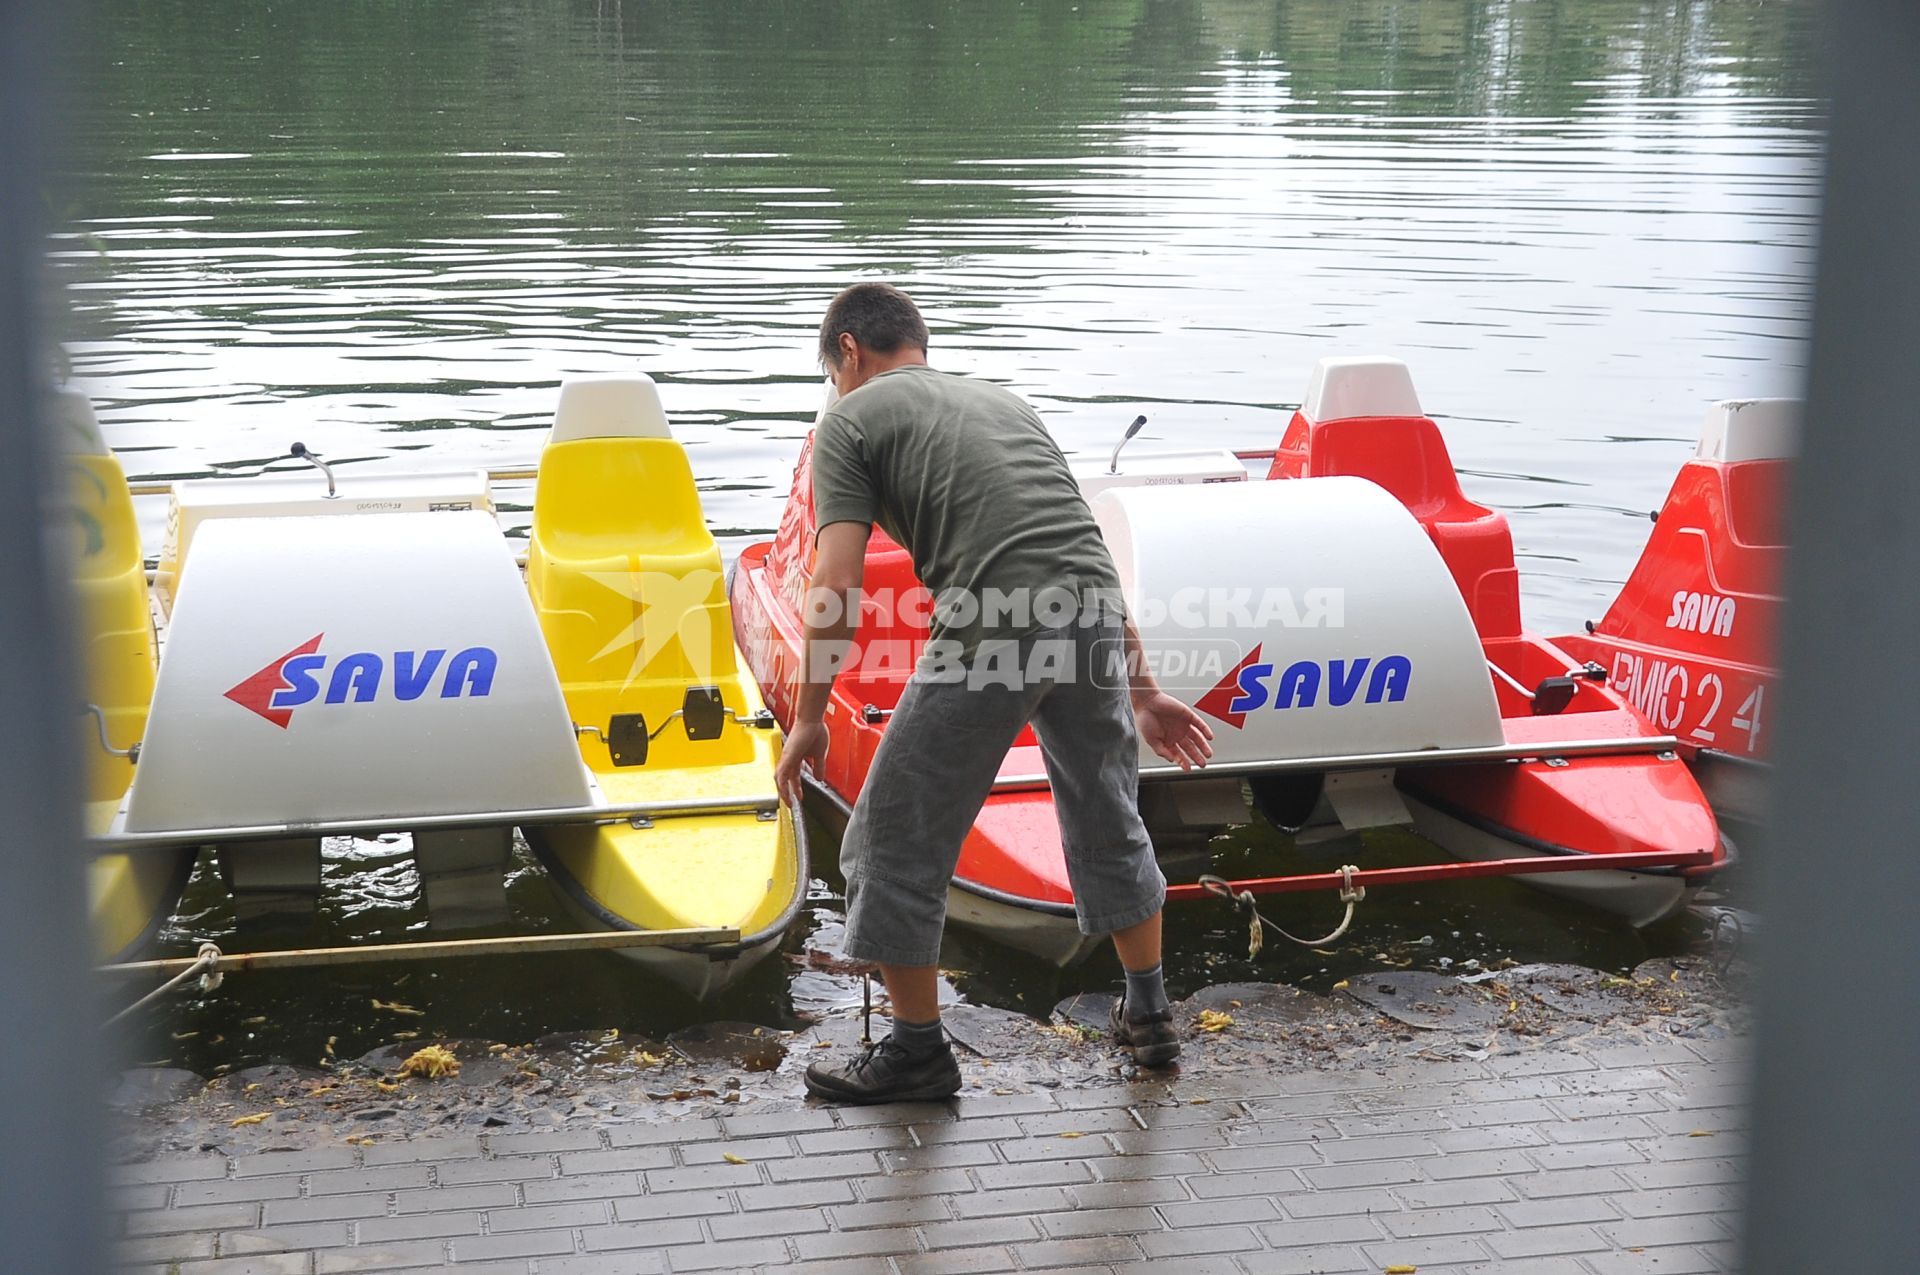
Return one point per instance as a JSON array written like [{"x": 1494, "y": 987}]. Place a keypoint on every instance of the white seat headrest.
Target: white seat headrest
[
  {"x": 78, "y": 429},
  {"x": 832, "y": 396},
  {"x": 1367, "y": 385},
  {"x": 1739, "y": 429},
  {"x": 609, "y": 407}
]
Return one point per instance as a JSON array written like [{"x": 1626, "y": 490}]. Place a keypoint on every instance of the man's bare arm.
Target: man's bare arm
[
  {"x": 1175, "y": 732},
  {"x": 830, "y": 615}
]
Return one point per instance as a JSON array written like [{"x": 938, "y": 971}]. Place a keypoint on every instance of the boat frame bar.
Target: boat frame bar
[
  {"x": 1381, "y": 761},
  {"x": 762, "y": 806},
  {"x": 163, "y": 487},
  {"x": 369, "y": 953},
  {"x": 1454, "y": 870}
]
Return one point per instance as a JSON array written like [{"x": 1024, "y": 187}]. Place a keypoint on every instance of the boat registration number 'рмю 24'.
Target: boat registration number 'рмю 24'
[{"x": 1701, "y": 705}]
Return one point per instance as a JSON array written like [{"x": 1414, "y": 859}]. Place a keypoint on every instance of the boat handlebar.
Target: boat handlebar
[{"x": 1376, "y": 761}]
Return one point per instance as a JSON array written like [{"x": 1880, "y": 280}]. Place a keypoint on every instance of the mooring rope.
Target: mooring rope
[
  {"x": 1350, "y": 894},
  {"x": 203, "y": 968}
]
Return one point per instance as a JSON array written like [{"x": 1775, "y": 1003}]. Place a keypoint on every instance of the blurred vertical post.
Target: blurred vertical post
[
  {"x": 1837, "y": 1114},
  {"x": 49, "y": 1037}
]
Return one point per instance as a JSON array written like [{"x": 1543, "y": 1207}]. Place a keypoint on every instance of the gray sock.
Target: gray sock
[
  {"x": 917, "y": 1039},
  {"x": 1146, "y": 993}
]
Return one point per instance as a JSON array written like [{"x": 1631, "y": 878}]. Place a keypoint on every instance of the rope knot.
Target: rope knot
[{"x": 209, "y": 959}]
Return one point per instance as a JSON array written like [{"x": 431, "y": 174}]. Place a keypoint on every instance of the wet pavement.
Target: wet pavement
[{"x": 1539, "y": 1118}]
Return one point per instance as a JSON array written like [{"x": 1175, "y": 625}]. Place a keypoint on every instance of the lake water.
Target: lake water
[{"x": 390, "y": 230}]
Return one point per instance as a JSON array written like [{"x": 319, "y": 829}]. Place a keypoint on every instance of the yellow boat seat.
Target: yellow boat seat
[{"x": 626, "y": 581}]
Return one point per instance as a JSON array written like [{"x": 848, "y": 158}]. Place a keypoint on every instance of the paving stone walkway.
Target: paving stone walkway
[{"x": 1617, "y": 1159}]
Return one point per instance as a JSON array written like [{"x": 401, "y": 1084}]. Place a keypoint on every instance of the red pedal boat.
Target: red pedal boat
[
  {"x": 1690, "y": 639},
  {"x": 1351, "y": 625}
]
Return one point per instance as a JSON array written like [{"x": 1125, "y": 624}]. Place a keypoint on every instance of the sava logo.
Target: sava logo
[
  {"x": 301, "y": 676},
  {"x": 1702, "y": 613},
  {"x": 1252, "y": 685}
]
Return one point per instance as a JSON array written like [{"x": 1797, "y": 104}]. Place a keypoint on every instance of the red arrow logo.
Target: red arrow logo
[
  {"x": 1214, "y": 703},
  {"x": 255, "y": 694}
]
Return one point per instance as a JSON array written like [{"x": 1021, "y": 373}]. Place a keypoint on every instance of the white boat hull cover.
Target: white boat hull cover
[
  {"x": 373, "y": 665},
  {"x": 1313, "y": 618}
]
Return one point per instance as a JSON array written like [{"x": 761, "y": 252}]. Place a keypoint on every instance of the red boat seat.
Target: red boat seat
[
  {"x": 1407, "y": 456},
  {"x": 1757, "y": 501},
  {"x": 1746, "y": 444}
]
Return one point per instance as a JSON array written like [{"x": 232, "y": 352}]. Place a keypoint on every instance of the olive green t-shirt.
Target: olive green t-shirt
[{"x": 965, "y": 476}]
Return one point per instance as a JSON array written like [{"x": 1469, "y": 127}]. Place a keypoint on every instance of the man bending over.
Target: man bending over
[{"x": 965, "y": 477}]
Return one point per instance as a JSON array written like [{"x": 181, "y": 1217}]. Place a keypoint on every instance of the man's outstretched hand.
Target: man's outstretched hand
[
  {"x": 1173, "y": 731},
  {"x": 806, "y": 742}
]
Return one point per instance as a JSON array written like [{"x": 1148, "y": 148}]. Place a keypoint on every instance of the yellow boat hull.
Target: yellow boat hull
[{"x": 129, "y": 896}]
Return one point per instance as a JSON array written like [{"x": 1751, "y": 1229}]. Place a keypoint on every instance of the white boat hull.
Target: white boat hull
[
  {"x": 1050, "y": 936},
  {"x": 1639, "y": 898}
]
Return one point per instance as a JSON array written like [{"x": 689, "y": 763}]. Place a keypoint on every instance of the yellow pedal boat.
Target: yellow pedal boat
[{"x": 363, "y": 654}]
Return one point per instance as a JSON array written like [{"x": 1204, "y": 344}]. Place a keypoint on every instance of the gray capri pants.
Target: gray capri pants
[{"x": 936, "y": 765}]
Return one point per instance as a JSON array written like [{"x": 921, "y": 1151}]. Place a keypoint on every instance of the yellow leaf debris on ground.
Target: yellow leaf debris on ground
[
  {"x": 1401, "y": 1270},
  {"x": 1342, "y": 985},
  {"x": 1212, "y": 1020},
  {"x": 731, "y": 1158},
  {"x": 1700, "y": 1133},
  {"x": 432, "y": 1063},
  {"x": 395, "y": 1007},
  {"x": 646, "y": 1061},
  {"x": 240, "y": 1120},
  {"x": 1073, "y": 1133}
]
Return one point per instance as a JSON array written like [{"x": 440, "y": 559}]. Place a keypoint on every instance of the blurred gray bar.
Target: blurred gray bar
[
  {"x": 50, "y": 1043},
  {"x": 1836, "y": 1141}
]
